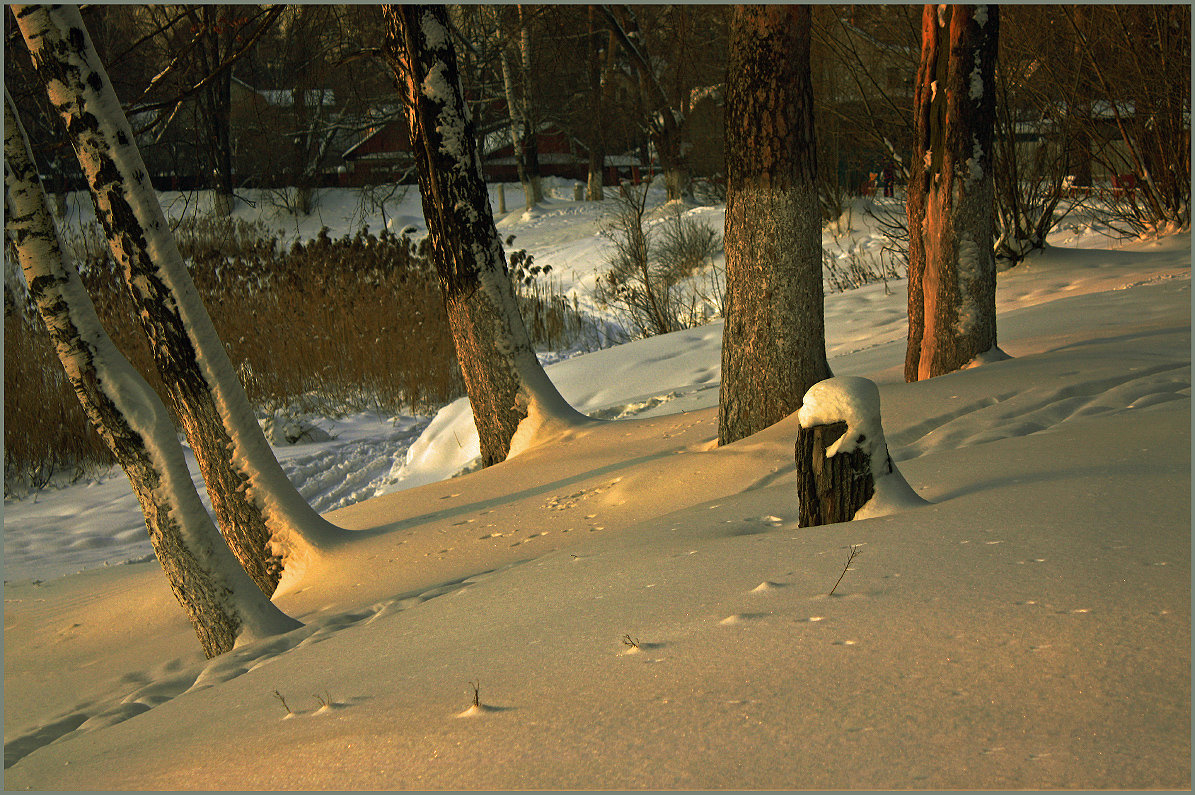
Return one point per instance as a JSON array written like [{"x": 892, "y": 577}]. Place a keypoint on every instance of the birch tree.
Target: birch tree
[
  {"x": 221, "y": 601},
  {"x": 952, "y": 268},
  {"x": 512, "y": 398},
  {"x": 266, "y": 522},
  {"x": 773, "y": 342}
]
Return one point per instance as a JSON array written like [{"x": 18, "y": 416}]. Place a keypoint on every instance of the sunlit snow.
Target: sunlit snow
[{"x": 1029, "y": 627}]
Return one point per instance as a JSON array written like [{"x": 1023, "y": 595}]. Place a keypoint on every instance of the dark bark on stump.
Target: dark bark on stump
[{"x": 830, "y": 490}]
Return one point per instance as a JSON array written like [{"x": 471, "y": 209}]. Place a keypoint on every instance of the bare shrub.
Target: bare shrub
[
  {"x": 859, "y": 267},
  {"x": 648, "y": 269}
]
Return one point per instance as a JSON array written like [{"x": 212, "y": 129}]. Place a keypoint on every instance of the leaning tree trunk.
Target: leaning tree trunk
[
  {"x": 265, "y": 521},
  {"x": 503, "y": 377},
  {"x": 773, "y": 342},
  {"x": 951, "y": 209},
  {"x": 220, "y": 599}
]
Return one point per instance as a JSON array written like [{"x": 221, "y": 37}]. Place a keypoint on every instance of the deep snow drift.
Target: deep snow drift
[{"x": 639, "y": 609}]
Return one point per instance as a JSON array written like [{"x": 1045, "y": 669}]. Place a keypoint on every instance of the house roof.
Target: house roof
[{"x": 285, "y": 98}]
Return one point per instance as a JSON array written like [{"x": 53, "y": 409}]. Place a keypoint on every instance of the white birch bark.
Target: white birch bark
[
  {"x": 515, "y": 138},
  {"x": 224, "y": 605},
  {"x": 184, "y": 339}
]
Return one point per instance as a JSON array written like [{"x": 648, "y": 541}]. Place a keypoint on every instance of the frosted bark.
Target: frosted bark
[
  {"x": 773, "y": 343},
  {"x": 266, "y": 522},
  {"x": 508, "y": 389},
  {"x": 219, "y": 598},
  {"x": 951, "y": 204}
]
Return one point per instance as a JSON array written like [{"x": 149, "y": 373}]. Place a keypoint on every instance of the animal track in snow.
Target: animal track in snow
[{"x": 566, "y": 501}]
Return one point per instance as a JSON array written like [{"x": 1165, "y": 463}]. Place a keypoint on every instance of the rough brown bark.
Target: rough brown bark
[
  {"x": 204, "y": 577},
  {"x": 773, "y": 342},
  {"x": 830, "y": 490},
  {"x": 502, "y": 374},
  {"x": 951, "y": 210}
]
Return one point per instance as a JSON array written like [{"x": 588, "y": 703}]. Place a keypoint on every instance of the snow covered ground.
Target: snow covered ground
[{"x": 639, "y": 608}]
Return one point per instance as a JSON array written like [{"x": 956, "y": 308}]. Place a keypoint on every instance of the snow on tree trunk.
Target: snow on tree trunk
[
  {"x": 951, "y": 208},
  {"x": 844, "y": 469},
  {"x": 773, "y": 342},
  {"x": 220, "y": 599},
  {"x": 512, "y": 398},
  {"x": 265, "y": 521}
]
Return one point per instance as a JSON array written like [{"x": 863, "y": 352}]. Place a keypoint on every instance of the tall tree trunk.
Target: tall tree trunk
[
  {"x": 220, "y": 599},
  {"x": 951, "y": 210},
  {"x": 217, "y": 105},
  {"x": 516, "y": 128},
  {"x": 265, "y": 521},
  {"x": 530, "y": 110},
  {"x": 598, "y": 74},
  {"x": 773, "y": 343},
  {"x": 668, "y": 138},
  {"x": 507, "y": 387}
]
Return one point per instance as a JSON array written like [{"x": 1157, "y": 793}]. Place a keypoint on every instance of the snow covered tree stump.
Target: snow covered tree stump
[
  {"x": 844, "y": 471},
  {"x": 831, "y": 488}
]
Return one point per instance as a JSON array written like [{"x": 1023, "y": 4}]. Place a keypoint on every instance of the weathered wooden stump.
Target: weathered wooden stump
[
  {"x": 842, "y": 458},
  {"x": 830, "y": 489}
]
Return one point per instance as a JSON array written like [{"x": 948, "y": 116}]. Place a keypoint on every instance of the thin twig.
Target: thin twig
[
  {"x": 846, "y": 568},
  {"x": 476, "y": 692}
]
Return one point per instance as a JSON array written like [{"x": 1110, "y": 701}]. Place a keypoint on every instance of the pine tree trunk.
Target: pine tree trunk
[
  {"x": 951, "y": 208},
  {"x": 773, "y": 342},
  {"x": 503, "y": 377},
  {"x": 263, "y": 518},
  {"x": 830, "y": 490},
  {"x": 219, "y": 598}
]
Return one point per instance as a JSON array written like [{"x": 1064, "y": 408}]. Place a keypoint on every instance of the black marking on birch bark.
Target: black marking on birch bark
[
  {"x": 95, "y": 81},
  {"x": 77, "y": 38},
  {"x": 42, "y": 284}
]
